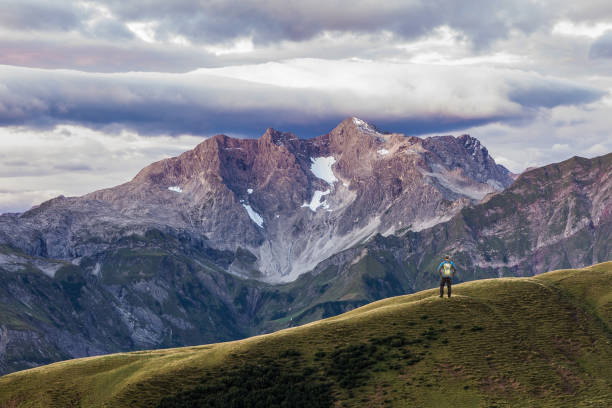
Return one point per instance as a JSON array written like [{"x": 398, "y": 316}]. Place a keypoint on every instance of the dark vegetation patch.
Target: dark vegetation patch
[
  {"x": 72, "y": 281},
  {"x": 285, "y": 382},
  {"x": 290, "y": 380},
  {"x": 351, "y": 366}
]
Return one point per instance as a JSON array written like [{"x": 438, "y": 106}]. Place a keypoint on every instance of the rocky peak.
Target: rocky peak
[
  {"x": 354, "y": 124},
  {"x": 363, "y": 126},
  {"x": 355, "y": 136},
  {"x": 473, "y": 145},
  {"x": 465, "y": 154},
  {"x": 278, "y": 138},
  {"x": 291, "y": 202}
]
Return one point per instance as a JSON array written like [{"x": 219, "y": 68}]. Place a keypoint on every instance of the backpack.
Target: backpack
[{"x": 447, "y": 269}]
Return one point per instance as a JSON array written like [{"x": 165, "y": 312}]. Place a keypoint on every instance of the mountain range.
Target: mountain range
[
  {"x": 243, "y": 236},
  {"x": 288, "y": 203}
]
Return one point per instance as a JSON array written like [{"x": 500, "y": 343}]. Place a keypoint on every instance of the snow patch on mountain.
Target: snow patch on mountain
[
  {"x": 365, "y": 126},
  {"x": 383, "y": 152},
  {"x": 321, "y": 167},
  {"x": 250, "y": 190},
  {"x": 176, "y": 189},
  {"x": 256, "y": 218},
  {"x": 315, "y": 202}
]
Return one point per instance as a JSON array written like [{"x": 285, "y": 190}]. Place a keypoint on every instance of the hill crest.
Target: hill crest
[{"x": 406, "y": 346}]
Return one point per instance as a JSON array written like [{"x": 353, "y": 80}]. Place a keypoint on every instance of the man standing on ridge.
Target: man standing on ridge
[{"x": 447, "y": 271}]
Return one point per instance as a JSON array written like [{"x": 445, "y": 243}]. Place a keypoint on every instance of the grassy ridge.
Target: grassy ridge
[{"x": 543, "y": 341}]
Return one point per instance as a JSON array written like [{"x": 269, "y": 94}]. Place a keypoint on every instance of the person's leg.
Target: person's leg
[
  {"x": 449, "y": 286},
  {"x": 441, "y": 286}
]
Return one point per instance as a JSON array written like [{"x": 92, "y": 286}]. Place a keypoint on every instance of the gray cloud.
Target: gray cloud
[
  {"x": 277, "y": 20},
  {"x": 94, "y": 35},
  {"x": 602, "y": 47},
  {"x": 217, "y": 101},
  {"x": 40, "y": 15},
  {"x": 15, "y": 163},
  {"x": 20, "y": 200},
  {"x": 73, "y": 167},
  {"x": 552, "y": 92},
  {"x": 56, "y": 163},
  {"x": 271, "y": 21},
  {"x": 94, "y": 54},
  {"x": 584, "y": 11},
  {"x": 101, "y": 56},
  {"x": 111, "y": 30}
]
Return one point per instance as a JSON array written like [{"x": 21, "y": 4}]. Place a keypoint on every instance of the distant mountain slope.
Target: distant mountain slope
[
  {"x": 556, "y": 216},
  {"x": 289, "y": 202},
  {"x": 543, "y": 341}
]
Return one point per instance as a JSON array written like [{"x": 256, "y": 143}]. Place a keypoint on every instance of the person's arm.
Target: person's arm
[
  {"x": 440, "y": 269},
  {"x": 454, "y": 269}
]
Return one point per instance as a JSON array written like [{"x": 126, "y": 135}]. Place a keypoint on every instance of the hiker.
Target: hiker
[{"x": 446, "y": 271}]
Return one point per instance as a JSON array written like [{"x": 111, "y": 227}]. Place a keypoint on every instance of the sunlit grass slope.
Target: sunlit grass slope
[{"x": 516, "y": 342}]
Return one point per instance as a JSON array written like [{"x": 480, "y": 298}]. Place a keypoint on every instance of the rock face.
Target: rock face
[{"x": 290, "y": 203}]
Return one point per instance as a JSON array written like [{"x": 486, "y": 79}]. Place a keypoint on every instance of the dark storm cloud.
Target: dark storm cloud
[
  {"x": 552, "y": 93},
  {"x": 202, "y": 103},
  {"x": 602, "y": 47}
]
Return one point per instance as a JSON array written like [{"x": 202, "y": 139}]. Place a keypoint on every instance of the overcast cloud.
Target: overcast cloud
[{"x": 86, "y": 83}]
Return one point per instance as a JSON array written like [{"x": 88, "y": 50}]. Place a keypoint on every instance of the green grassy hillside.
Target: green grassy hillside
[{"x": 539, "y": 342}]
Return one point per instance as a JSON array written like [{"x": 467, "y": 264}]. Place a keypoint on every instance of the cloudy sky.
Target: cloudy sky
[{"x": 92, "y": 91}]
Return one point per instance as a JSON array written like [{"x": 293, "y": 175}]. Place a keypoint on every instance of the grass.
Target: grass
[{"x": 544, "y": 341}]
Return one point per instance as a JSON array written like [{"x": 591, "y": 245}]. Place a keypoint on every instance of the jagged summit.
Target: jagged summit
[
  {"x": 289, "y": 202},
  {"x": 355, "y": 124},
  {"x": 363, "y": 125},
  {"x": 279, "y": 138}
]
